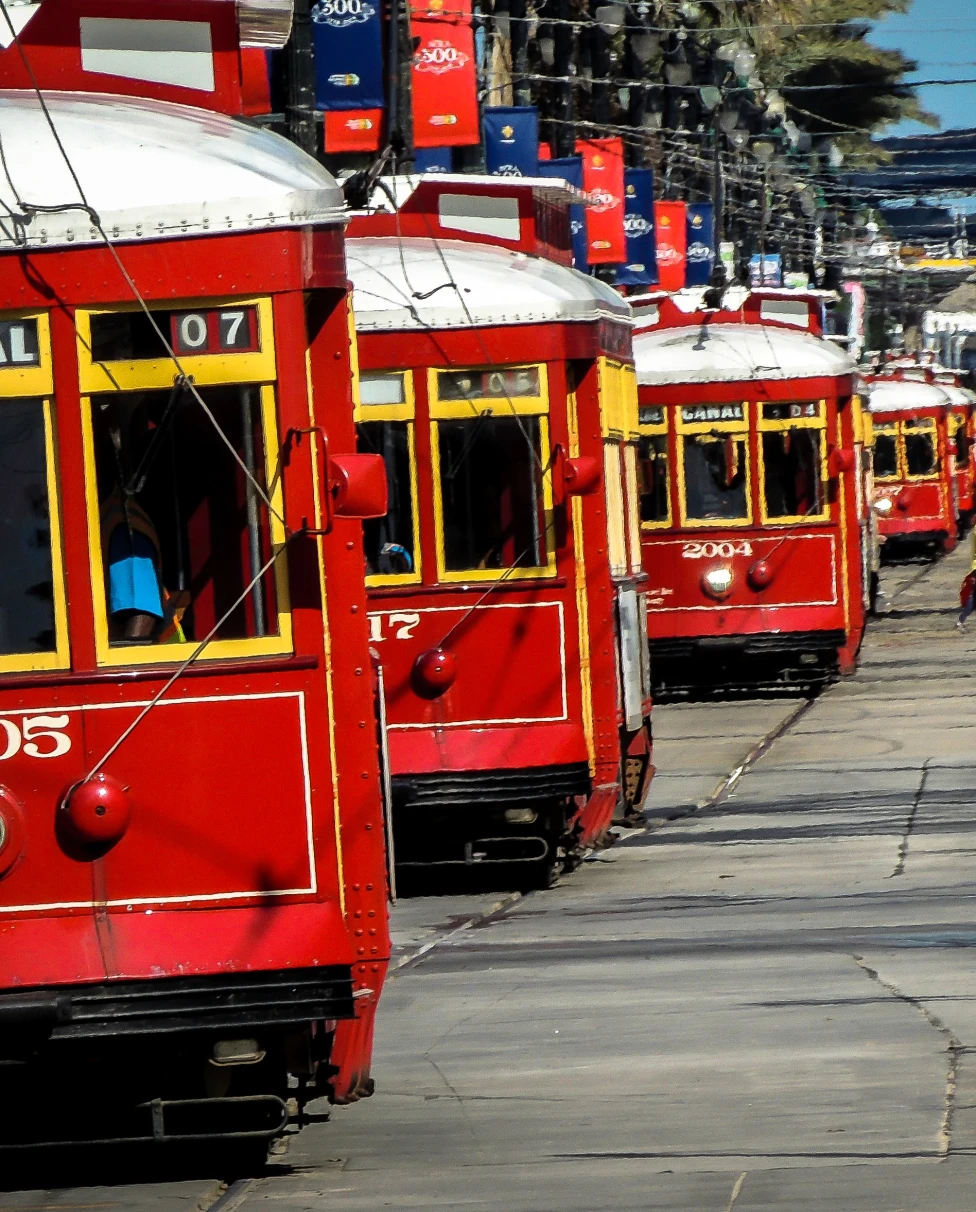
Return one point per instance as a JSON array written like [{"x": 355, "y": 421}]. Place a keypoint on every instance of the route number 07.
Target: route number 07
[
  {"x": 402, "y": 625},
  {"x": 708, "y": 551},
  {"x": 32, "y": 730}
]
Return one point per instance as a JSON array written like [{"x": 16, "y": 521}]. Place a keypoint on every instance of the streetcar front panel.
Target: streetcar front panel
[
  {"x": 503, "y": 589},
  {"x": 190, "y": 903},
  {"x": 753, "y": 506}
]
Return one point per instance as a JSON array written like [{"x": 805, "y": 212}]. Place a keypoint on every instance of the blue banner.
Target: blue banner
[
  {"x": 433, "y": 160},
  {"x": 347, "y": 41},
  {"x": 512, "y": 141},
  {"x": 570, "y": 168},
  {"x": 640, "y": 268},
  {"x": 701, "y": 243}
]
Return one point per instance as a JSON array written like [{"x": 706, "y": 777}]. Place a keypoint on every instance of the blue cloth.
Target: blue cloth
[
  {"x": 700, "y": 255},
  {"x": 640, "y": 268},
  {"x": 512, "y": 140},
  {"x": 432, "y": 160},
  {"x": 133, "y": 582},
  {"x": 348, "y": 55}
]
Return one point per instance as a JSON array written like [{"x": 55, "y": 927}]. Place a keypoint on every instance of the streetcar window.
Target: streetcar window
[
  {"x": 792, "y": 485},
  {"x": 27, "y": 621},
  {"x": 652, "y": 454},
  {"x": 184, "y": 529},
  {"x": 961, "y": 448},
  {"x": 492, "y": 493},
  {"x": 389, "y": 541},
  {"x": 716, "y": 483},
  {"x": 885, "y": 454},
  {"x": 921, "y": 458}
]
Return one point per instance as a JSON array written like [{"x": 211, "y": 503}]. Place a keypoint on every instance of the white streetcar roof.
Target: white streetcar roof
[
  {"x": 152, "y": 170},
  {"x": 904, "y": 395},
  {"x": 957, "y": 395},
  {"x": 733, "y": 353},
  {"x": 410, "y": 284}
]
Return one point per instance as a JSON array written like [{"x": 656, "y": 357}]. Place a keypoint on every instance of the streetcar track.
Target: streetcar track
[{"x": 231, "y": 1197}]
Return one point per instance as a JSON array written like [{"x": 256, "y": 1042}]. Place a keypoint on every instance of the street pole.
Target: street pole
[
  {"x": 562, "y": 34},
  {"x": 300, "y": 69},
  {"x": 521, "y": 93}
]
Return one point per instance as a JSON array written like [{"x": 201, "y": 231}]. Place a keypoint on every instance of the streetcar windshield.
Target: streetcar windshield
[
  {"x": 389, "y": 541},
  {"x": 921, "y": 458},
  {"x": 27, "y": 585},
  {"x": 491, "y": 489},
  {"x": 652, "y": 454},
  {"x": 792, "y": 484},
  {"x": 885, "y": 454},
  {"x": 184, "y": 521},
  {"x": 716, "y": 478}
]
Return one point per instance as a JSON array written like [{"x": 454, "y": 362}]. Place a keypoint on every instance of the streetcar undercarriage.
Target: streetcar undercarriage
[{"x": 232, "y": 1057}]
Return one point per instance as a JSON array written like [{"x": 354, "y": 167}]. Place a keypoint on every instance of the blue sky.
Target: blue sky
[{"x": 941, "y": 36}]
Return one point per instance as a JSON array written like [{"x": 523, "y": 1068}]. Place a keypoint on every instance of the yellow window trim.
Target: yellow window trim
[
  {"x": 387, "y": 412},
  {"x": 148, "y": 374},
  {"x": 817, "y": 422},
  {"x": 60, "y": 657},
  {"x": 792, "y": 519},
  {"x": 402, "y": 578},
  {"x": 326, "y": 644},
  {"x": 613, "y": 489},
  {"x": 514, "y": 573},
  {"x": 619, "y": 409},
  {"x": 631, "y": 403},
  {"x": 33, "y": 382},
  {"x": 582, "y": 598},
  {"x": 632, "y": 505},
  {"x": 453, "y": 410},
  {"x": 713, "y": 523},
  {"x": 166, "y": 654},
  {"x": 887, "y": 430},
  {"x": 353, "y": 354},
  {"x": 921, "y": 425}
]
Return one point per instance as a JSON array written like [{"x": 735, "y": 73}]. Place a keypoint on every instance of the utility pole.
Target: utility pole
[
  {"x": 521, "y": 92},
  {"x": 300, "y": 81},
  {"x": 562, "y": 34}
]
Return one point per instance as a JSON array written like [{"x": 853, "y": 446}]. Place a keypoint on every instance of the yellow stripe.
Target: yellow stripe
[
  {"x": 326, "y": 637},
  {"x": 582, "y": 601}
]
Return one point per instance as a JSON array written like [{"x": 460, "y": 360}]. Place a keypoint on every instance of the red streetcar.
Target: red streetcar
[
  {"x": 756, "y": 528},
  {"x": 505, "y": 585},
  {"x": 962, "y": 442},
  {"x": 915, "y": 490},
  {"x": 192, "y": 871}
]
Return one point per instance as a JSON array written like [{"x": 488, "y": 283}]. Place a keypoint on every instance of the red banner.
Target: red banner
[
  {"x": 603, "y": 175},
  {"x": 671, "y": 226},
  {"x": 445, "y": 97},
  {"x": 353, "y": 130}
]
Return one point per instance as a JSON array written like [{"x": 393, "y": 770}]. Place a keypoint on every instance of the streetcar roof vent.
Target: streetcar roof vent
[
  {"x": 151, "y": 170},
  {"x": 414, "y": 283}
]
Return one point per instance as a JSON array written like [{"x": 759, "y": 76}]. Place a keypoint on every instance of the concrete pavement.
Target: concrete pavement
[{"x": 767, "y": 1004}]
